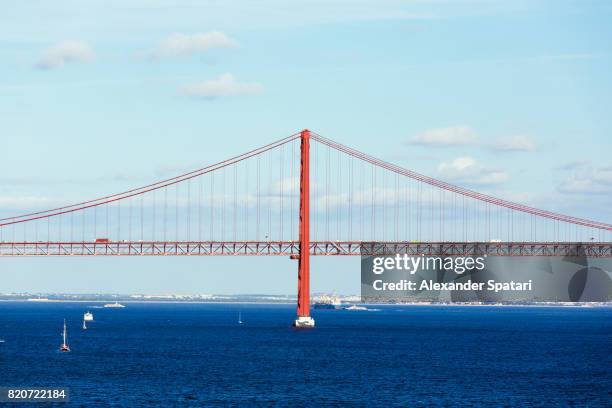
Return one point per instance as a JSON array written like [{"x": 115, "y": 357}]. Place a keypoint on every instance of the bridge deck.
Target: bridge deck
[{"x": 291, "y": 248}]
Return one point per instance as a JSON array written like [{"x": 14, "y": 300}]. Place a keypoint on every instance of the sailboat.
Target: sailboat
[
  {"x": 64, "y": 347},
  {"x": 239, "y": 317}
]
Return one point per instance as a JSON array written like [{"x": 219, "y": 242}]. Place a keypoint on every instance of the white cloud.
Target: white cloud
[
  {"x": 467, "y": 170},
  {"x": 224, "y": 85},
  {"x": 572, "y": 165},
  {"x": 579, "y": 185},
  {"x": 594, "y": 181},
  {"x": 179, "y": 44},
  {"x": 459, "y": 164},
  {"x": 290, "y": 186},
  {"x": 448, "y": 136},
  {"x": 518, "y": 143},
  {"x": 462, "y": 135},
  {"x": 67, "y": 51},
  {"x": 603, "y": 175}
]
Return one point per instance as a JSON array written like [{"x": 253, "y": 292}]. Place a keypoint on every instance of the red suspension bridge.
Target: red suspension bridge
[{"x": 299, "y": 196}]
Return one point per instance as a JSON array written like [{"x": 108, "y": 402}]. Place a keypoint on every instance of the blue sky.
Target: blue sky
[{"x": 510, "y": 98}]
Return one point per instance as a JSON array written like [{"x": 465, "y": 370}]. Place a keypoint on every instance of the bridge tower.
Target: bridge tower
[{"x": 303, "y": 301}]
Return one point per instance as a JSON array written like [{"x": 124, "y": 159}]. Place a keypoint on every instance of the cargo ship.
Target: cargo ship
[{"x": 327, "y": 302}]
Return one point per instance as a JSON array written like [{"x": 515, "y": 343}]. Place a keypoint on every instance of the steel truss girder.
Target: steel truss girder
[{"x": 291, "y": 248}]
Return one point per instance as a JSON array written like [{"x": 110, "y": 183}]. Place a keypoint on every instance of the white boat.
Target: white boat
[
  {"x": 64, "y": 347},
  {"x": 84, "y": 325},
  {"x": 114, "y": 305},
  {"x": 239, "y": 318},
  {"x": 88, "y": 317},
  {"x": 355, "y": 307}
]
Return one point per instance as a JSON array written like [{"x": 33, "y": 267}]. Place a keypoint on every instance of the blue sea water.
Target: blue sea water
[{"x": 197, "y": 355}]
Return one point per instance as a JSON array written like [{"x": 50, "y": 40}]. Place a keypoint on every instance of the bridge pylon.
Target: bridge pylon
[{"x": 303, "y": 319}]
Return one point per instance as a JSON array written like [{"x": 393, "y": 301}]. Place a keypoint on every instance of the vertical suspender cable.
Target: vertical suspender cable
[
  {"x": 176, "y": 211},
  {"x": 383, "y": 183},
  {"x": 129, "y": 219},
  {"x": 340, "y": 194},
  {"x": 257, "y": 236},
  {"x": 119, "y": 220},
  {"x": 165, "y": 235},
  {"x": 141, "y": 217},
  {"x": 280, "y": 191},
  {"x": 154, "y": 216},
  {"x": 212, "y": 206},
  {"x": 223, "y": 210},
  {"x": 270, "y": 195},
  {"x": 372, "y": 208},
  {"x": 293, "y": 219},
  {"x": 246, "y": 200},
  {"x": 235, "y": 211},
  {"x": 317, "y": 184},
  {"x": 200, "y": 208},
  {"x": 362, "y": 197},
  {"x": 396, "y": 203},
  {"x": 327, "y": 171},
  {"x": 189, "y": 210},
  {"x": 351, "y": 198}
]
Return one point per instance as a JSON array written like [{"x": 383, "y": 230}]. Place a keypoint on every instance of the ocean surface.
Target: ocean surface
[{"x": 197, "y": 355}]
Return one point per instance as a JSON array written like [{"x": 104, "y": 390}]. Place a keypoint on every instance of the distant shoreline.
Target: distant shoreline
[
  {"x": 250, "y": 302},
  {"x": 141, "y": 301}
]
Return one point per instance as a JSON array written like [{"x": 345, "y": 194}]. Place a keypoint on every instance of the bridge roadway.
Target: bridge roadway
[{"x": 291, "y": 248}]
